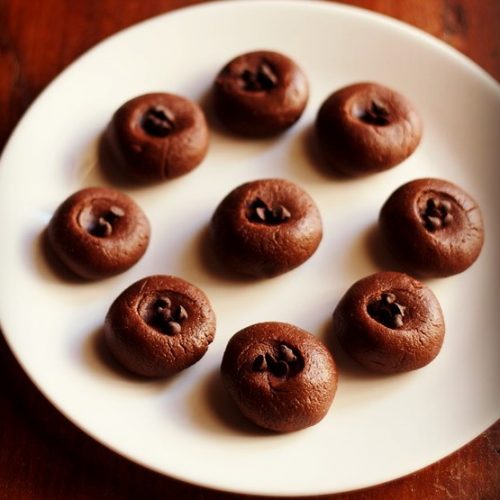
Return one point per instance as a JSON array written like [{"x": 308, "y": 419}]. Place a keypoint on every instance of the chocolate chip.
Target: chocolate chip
[
  {"x": 286, "y": 354},
  {"x": 437, "y": 213},
  {"x": 281, "y": 213},
  {"x": 264, "y": 78},
  {"x": 446, "y": 205},
  {"x": 167, "y": 318},
  {"x": 259, "y": 364},
  {"x": 267, "y": 77},
  {"x": 433, "y": 203},
  {"x": 158, "y": 121},
  {"x": 164, "y": 314},
  {"x": 397, "y": 309},
  {"x": 387, "y": 311},
  {"x": 398, "y": 321},
  {"x": 285, "y": 363},
  {"x": 100, "y": 223},
  {"x": 103, "y": 228},
  {"x": 376, "y": 114},
  {"x": 163, "y": 302},
  {"x": 389, "y": 298},
  {"x": 116, "y": 211},
  {"x": 434, "y": 222},
  {"x": 181, "y": 313},
  {"x": 173, "y": 328},
  {"x": 259, "y": 211}
]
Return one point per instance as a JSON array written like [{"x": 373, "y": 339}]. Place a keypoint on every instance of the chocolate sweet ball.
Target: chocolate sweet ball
[
  {"x": 260, "y": 93},
  {"x": 157, "y": 136},
  {"x": 266, "y": 227},
  {"x": 433, "y": 227},
  {"x": 366, "y": 128},
  {"x": 159, "y": 326},
  {"x": 390, "y": 323},
  {"x": 98, "y": 232},
  {"x": 282, "y": 378}
]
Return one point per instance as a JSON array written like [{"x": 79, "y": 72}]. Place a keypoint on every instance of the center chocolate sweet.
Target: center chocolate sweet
[
  {"x": 263, "y": 78},
  {"x": 158, "y": 121},
  {"x": 100, "y": 223},
  {"x": 260, "y": 212},
  {"x": 437, "y": 213},
  {"x": 387, "y": 311},
  {"x": 283, "y": 363}
]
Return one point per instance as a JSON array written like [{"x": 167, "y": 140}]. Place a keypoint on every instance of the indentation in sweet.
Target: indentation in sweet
[
  {"x": 261, "y": 212},
  {"x": 264, "y": 78},
  {"x": 437, "y": 213},
  {"x": 283, "y": 363},
  {"x": 158, "y": 121},
  {"x": 376, "y": 114},
  {"x": 387, "y": 311},
  {"x": 100, "y": 223}
]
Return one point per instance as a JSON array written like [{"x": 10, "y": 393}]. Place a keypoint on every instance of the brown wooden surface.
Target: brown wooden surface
[{"x": 42, "y": 455}]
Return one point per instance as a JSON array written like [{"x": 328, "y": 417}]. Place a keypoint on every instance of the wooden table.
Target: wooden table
[{"x": 44, "y": 456}]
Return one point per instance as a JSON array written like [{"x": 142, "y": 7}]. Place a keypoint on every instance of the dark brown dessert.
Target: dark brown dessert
[
  {"x": 157, "y": 136},
  {"x": 282, "y": 378},
  {"x": 366, "y": 128},
  {"x": 159, "y": 326},
  {"x": 266, "y": 227},
  {"x": 433, "y": 227},
  {"x": 390, "y": 323},
  {"x": 98, "y": 232},
  {"x": 260, "y": 93}
]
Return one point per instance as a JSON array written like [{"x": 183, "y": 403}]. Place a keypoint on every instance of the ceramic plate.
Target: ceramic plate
[{"x": 378, "y": 428}]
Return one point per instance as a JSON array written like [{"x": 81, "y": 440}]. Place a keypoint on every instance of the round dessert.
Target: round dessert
[
  {"x": 157, "y": 136},
  {"x": 281, "y": 377},
  {"x": 433, "y": 227},
  {"x": 159, "y": 326},
  {"x": 260, "y": 93},
  {"x": 390, "y": 323},
  {"x": 266, "y": 227},
  {"x": 98, "y": 232},
  {"x": 366, "y": 128}
]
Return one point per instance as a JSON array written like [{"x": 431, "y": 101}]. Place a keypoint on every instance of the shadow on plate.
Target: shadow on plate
[
  {"x": 206, "y": 103},
  {"x": 49, "y": 265},
  {"x": 200, "y": 254},
  {"x": 346, "y": 366},
  {"x": 368, "y": 254},
  {"x": 316, "y": 159},
  {"x": 212, "y": 408},
  {"x": 378, "y": 252},
  {"x": 98, "y": 357},
  {"x": 112, "y": 174}
]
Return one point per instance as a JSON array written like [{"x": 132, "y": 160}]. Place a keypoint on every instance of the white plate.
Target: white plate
[{"x": 378, "y": 428}]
